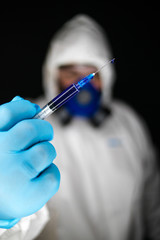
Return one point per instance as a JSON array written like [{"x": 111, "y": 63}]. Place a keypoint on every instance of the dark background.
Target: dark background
[{"x": 132, "y": 31}]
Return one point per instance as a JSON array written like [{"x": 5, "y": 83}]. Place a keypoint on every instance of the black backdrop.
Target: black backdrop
[{"x": 133, "y": 33}]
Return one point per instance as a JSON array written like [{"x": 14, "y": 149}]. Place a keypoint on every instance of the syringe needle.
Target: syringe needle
[{"x": 108, "y": 62}]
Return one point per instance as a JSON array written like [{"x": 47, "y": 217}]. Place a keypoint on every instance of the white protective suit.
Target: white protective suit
[{"x": 109, "y": 180}]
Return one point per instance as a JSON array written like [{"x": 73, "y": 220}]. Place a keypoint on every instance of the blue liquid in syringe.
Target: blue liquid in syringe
[{"x": 68, "y": 93}]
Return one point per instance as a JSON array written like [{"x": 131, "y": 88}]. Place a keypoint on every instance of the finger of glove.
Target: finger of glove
[
  {"x": 37, "y": 158},
  {"x": 46, "y": 184},
  {"x": 27, "y": 133},
  {"x": 18, "y": 98},
  {"x": 15, "y": 111}
]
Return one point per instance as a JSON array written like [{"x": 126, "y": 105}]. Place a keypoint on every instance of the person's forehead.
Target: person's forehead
[{"x": 77, "y": 67}]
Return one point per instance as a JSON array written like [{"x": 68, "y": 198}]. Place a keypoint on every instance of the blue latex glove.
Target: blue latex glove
[{"x": 28, "y": 178}]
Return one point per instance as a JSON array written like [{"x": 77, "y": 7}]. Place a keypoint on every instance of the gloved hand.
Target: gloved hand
[{"x": 28, "y": 178}]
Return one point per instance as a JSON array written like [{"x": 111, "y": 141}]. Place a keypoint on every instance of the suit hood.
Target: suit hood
[{"x": 81, "y": 40}]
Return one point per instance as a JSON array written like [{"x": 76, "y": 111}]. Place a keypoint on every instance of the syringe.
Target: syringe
[{"x": 66, "y": 95}]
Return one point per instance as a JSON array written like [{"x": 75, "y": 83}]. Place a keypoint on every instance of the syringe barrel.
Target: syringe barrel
[
  {"x": 63, "y": 97},
  {"x": 57, "y": 102}
]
